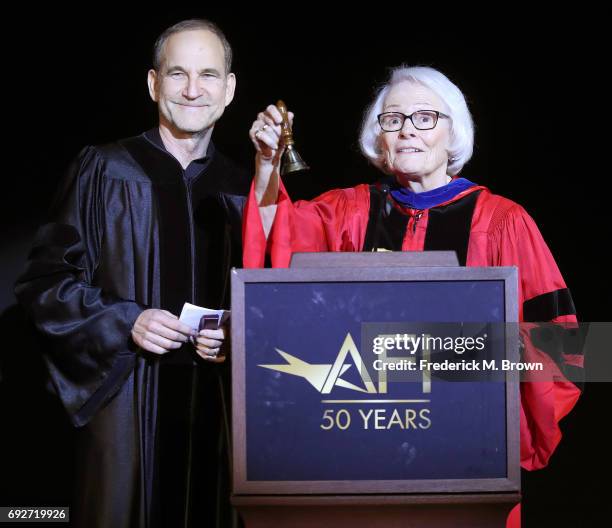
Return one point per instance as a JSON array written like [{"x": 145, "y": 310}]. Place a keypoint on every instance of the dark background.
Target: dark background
[{"x": 537, "y": 91}]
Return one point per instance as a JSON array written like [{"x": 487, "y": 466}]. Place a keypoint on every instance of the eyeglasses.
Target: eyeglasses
[{"x": 421, "y": 119}]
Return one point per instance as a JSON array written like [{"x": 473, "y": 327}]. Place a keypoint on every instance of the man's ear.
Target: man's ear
[
  {"x": 152, "y": 84},
  {"x": 230, "y": 88}
]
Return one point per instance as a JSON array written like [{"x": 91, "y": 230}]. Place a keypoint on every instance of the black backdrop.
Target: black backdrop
[{"x": 542, "y": 124}]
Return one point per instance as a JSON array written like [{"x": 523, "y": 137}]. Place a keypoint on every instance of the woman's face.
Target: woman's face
[{"x": 413, "y": 154}]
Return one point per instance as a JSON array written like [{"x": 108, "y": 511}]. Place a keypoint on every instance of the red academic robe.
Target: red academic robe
[{"x": 501, "y": 233}]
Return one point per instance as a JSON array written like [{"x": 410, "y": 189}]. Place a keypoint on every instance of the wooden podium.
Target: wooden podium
[{"x": 338, "y": 416}]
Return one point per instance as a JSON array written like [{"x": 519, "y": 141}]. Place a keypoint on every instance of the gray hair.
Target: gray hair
[
  {"x": 192, "y": 25},
  {"x": 462, "y": 127}
]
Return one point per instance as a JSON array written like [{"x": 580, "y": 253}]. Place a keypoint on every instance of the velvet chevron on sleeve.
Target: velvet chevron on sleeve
[{"x": 515, "y": 240}]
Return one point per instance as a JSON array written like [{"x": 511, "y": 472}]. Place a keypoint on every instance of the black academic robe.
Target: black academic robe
[{"x": 127, "y": 233}]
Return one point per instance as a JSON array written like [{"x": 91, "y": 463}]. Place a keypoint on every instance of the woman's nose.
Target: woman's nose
[{"x": 407, "y": 129}]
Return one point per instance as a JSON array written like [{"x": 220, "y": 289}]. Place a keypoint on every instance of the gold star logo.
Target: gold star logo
[{"x": 324, "y": 377}]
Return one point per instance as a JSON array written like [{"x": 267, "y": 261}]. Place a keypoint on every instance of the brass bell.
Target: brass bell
[{"x": 291, "y": 160}]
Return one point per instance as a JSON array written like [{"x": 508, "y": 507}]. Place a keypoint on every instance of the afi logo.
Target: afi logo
[{"x": 324, "y": 377}]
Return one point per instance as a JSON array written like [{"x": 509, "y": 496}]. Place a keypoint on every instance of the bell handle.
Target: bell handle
[{"x": 286, "y": 133}]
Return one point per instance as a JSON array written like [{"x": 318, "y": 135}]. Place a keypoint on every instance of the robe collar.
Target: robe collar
[
  {"x": 433, "y": 198},
  {"x": 195, "y": 168},
  {"x": 154, "y": 137}
]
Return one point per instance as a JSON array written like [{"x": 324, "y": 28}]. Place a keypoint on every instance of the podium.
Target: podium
[{"x": 368, "y": 390}]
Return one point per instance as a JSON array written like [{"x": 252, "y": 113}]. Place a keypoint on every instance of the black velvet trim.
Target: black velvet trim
[
  {"x": 549, "y": 305},
  {"x": 120, "y": 372},
  {"x": 218, "y": 198},
  {"x": 386, "y": 225},
  {"x": 173, "y": 216},
  {"x": 557, "y": 341},
  {"x": 171, "y": 211},
  {"x": 448, "y": 227},
  {"x": 377, "y": 200}
]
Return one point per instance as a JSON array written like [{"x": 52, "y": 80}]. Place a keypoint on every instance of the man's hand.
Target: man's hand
[
  {"x": 159, "y": 331},
  {"x": 209, "y": 344}
]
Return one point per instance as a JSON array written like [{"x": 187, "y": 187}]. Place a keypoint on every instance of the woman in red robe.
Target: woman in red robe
[{"x": 419, "y": 132}]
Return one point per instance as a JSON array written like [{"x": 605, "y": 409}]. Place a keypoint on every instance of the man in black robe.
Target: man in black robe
[{"x": 141, "y": 226}]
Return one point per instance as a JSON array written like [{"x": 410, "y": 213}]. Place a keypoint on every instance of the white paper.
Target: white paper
[{"x": 192, "y": 314}]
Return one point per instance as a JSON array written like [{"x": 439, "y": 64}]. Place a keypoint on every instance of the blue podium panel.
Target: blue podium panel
[{"x": 321, "y": 407}]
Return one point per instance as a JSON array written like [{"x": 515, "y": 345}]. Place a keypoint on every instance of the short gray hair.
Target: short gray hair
[
  {"x": 192, "y": 25},
  {"x": 462, "y": 127}
]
